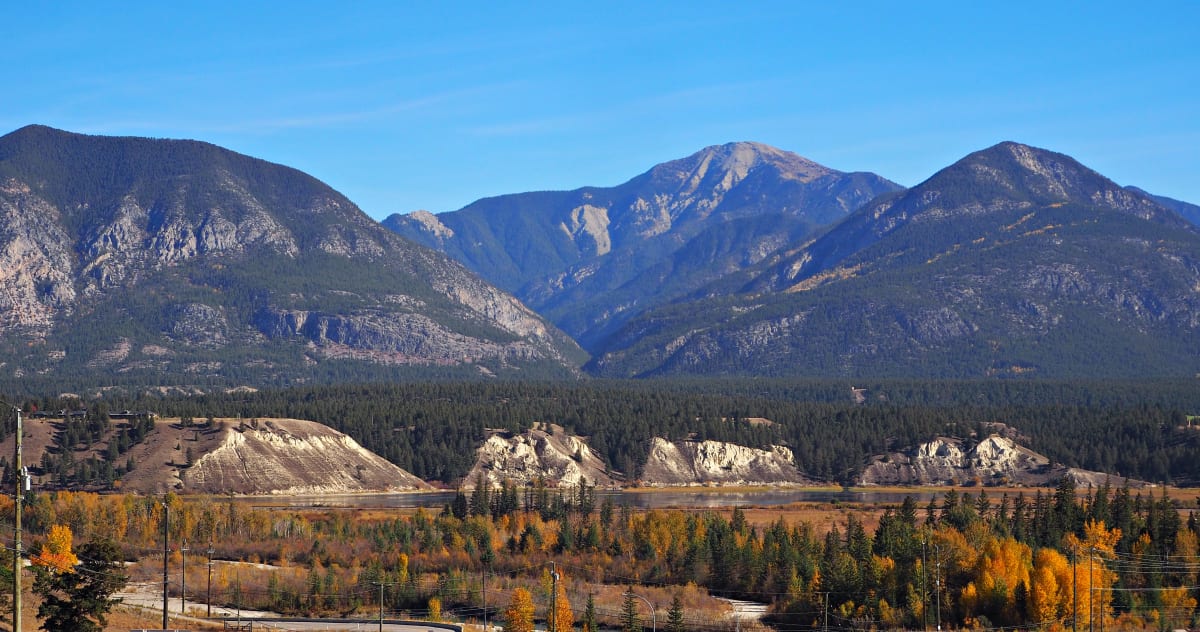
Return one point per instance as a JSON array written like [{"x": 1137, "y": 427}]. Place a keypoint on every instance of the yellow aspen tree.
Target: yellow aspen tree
[
  {"x": 56, "y": 554},
  {"x": 1003, "y": 565},
  {"x": 435, "y": 609},
  {"x": 1095, "y": 579},
  {"x": 1045, "y": 591},
  {"x": 518, "y": 616},
  {"x": 1177, "y": 607}
]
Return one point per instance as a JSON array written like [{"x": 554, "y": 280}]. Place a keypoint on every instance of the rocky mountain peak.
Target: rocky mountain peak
[
  {"x": 1012, "y": 174},
  {"x": 721, "y": 167}
]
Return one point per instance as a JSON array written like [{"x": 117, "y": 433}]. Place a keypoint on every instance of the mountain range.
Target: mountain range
[
  {"x": 179, "y": 264},
  {"x": 1013, "y": 261},
  {"x": 170, "y": 262},
  {"x": 593, "y": 258}
]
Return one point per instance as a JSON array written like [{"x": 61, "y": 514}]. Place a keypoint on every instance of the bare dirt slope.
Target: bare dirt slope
[
  {"x": 231, "y": 456},
  {"x": 287, "y": 456}
]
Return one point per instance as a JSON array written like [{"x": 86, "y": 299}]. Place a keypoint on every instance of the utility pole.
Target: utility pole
[
  {"x": 553, "y": 597},
  {"x": 1091, "y": 621},
  {"x": 483, "y": 580},
  {"x": 653, "y": 612},
  {"x": 937, "y": 583},
  {"x": 924, "y": 585},
  {"x": 18, "y": 499},
  {"x": 238, "y": 578},
  {"x": 208, "y": 598},
  {"x": 166, "y": 555},
  {"x": 1075, "y": 588},
  {"x": 1103, "y": 599},
  {"x": 183, "y": 578},
  {"x": 381, "y": 584},
  {"x": 825, "y": 626}
]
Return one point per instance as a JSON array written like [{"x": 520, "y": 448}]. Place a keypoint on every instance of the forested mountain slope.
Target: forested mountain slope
[
  {"x": 592, "y": 258},
  {"x": 178, "y": 262},
  {"x": 1013, "y": 261},
  {"x": 1186, "y": 210}
]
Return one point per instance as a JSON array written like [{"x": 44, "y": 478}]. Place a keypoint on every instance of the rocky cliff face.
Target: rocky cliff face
[
  {"x": 943, "y": 461},
  {"x": 203, "y": 263},
  {"x": 996, "y": 460},
  {"x": 546, "y": 454},
  {"x": 560, "y": 460},
  {"x": 718, "y": 463}
]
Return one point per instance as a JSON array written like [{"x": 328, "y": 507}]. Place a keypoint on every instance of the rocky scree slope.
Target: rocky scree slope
[
  {"x": 180, "y": 261},
  {"x": 592, "y": 258},
  {"x": 1012, "y": 261}
]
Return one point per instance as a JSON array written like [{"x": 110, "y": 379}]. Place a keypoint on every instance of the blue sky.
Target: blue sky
[{"x": 422, "y": 105}]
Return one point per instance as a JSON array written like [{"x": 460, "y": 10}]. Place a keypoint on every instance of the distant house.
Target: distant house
[
  {"x": 62, "y": 413},
  {"x": 132, "y": 414}
]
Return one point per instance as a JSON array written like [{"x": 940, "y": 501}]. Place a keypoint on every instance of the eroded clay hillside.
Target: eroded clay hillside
[
  {"x": 545, "y": 453},
  {"x": 227, "y": 456},
  {"x": 292, "y": 456},
  {"x": 996, "y": 460},
  {"x": 719, "y": 463}
]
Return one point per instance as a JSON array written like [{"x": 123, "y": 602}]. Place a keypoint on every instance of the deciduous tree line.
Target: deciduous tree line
[{"x": 1055, "y": 560}]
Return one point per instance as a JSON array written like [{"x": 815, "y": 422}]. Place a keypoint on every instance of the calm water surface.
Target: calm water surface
[{"x": 653, "y": 499}]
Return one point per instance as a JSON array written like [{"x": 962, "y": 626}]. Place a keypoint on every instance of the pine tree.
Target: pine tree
[
  {"x": 675, "y": 614},
  {"x": 80, "y": 599},
  {"x": 589, "y": 615},
  {"x": 630, "y": 622}
]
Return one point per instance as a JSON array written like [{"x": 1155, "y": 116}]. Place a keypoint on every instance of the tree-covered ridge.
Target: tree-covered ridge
[{"x": 1135, "y": 429}]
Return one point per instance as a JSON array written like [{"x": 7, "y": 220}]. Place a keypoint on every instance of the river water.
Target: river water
[{"x": 708, "y": 498}]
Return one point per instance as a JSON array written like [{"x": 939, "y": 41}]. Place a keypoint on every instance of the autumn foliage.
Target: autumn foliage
[
  {"x": 55, "y": 553},
  {"x": 1111, "y": 558}
]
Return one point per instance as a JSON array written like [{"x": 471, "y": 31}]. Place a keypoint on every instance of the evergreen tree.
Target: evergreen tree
[
  {"x": 589, "y": 615},
  {"x": 459, "y": 507},
  {"x": 675, "y": 615},
  {"x": 630, "y": 621},
  {"x": 81, "y": 598}
]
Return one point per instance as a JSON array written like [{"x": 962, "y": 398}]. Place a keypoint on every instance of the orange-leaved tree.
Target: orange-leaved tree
[
  {"x": 56, "y": 554},
  {"x": 518, "y": 616}
]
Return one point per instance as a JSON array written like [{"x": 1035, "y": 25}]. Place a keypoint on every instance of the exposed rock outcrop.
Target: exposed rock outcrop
[
  {"x": 718, "y": 463},
  {"x": 545, "y": 453},
  {"x": 996, "y": 460}
]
